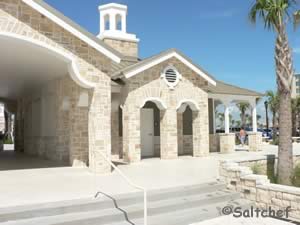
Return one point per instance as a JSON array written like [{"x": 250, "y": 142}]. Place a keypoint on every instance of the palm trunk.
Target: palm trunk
[
  {"x": 284, "y": 72},
  {"x": 274, "y": 119},
  {"x": 243, "y": 117}
]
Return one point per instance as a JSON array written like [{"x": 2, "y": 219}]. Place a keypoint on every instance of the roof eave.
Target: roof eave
[{"x": 38, "y": 6}]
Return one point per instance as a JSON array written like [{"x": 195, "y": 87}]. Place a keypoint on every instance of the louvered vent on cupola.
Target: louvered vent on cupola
[{"x": 171, "y": 76}]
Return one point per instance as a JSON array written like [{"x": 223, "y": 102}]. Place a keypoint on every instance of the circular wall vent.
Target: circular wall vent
[{"x": 171, "y": 76}]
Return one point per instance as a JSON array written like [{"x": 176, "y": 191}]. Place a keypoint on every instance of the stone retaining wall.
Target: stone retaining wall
[{"x": 258, "y": 188}]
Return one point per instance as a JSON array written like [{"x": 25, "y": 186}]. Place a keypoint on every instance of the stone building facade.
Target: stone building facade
[
  {"x": 91, "y": 111},
  {"x": 149, "y": 86}
]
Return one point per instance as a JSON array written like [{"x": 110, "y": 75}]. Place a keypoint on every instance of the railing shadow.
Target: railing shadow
[{"x": 116, "y": 206}]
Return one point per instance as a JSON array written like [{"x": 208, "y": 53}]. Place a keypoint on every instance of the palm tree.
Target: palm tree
[
  {"x": 273, "y": 103},
  {"x": 248, "y": 119},
  {"x": 238, "y": 123},
  {"x": 275, "y": 15},
  {"x": 243, "y": 107},
  {"x": 258, "y": 117},
  {"x": 221, "y": 118},
  {"x": 295, "y": 114},
  {"x": 267, "y": 115}
]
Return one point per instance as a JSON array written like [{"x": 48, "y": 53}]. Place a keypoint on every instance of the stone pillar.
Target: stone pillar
[
  {"x": 227, "y": 143},
  {"x": 131, "y": 133},
  {"x": 79, "y": 132},
  {"x": 168, "y": 135},
  {"x": 115, "y": 149},
  {"x": 255, "y": 141},
  {"x": 99, "y": 130},
  {"x": 214, "y": 116},
  {"x": 19, "y": 133},
  {"x": 180, "y": 133},
  {"x": 214, "y": 143},
  {"x": 200, "y": 133}
]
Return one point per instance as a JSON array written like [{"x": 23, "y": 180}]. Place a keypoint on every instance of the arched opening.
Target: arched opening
[
  {"x": 150, "y": 128},
  {"x": 119, "y": 22},
  {"x": 107, "y": 22},
  {"x": 39, "y": 84},
  {"x": 187, "y": 112},
  {"x": 7, "y": 128}
]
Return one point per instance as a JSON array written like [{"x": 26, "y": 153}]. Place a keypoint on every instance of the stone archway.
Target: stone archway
[{"x": 189, "y": 128}]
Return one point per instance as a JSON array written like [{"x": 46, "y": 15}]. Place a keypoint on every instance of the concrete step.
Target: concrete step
[
  {"x": 181, "y": 205},
  {"x": 189, "y": 216},
  {"x": 103, "y": 201}
]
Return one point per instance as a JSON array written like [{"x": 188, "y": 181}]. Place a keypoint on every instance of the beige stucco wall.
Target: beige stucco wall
[
  {"x": 149, "y": 84},
  {"x": 89, "y": 128}
]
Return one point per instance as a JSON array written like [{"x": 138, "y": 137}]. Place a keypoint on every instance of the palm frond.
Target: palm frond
[
  {"x": 296, "y": 18},
  {"x": 273, "y": 13}
]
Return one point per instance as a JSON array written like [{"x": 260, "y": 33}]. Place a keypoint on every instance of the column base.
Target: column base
[
  {"x": 255, "y": 141},
  {"x": 227, "y": 143}
]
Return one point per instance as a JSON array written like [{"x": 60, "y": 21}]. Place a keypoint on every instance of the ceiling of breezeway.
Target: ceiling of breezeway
[{"x": 24, "y": 66}]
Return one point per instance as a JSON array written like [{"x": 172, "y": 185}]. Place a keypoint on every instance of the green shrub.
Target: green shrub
[
  {"x": 296, "y": 176},
  {"x": 8, "y": 141},
  {"x": 275, "y": 141},
  {"x": 257, "y": 169}
]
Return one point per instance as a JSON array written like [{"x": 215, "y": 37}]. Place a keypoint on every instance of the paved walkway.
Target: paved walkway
[{"x": 27, "y": 180}]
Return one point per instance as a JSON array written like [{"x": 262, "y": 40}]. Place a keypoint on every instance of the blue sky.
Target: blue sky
[{"x": 215, "y": 34}]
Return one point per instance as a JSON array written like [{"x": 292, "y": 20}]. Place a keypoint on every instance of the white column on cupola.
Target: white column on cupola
[
  {"x": 124, "y": 22},
  {"x": 102, "y": 23},
  {"x": 113, "y": 25},
  {"x": 254, "y": 115}
]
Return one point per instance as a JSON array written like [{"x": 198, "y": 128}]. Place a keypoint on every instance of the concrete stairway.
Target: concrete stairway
[{"x": 173, "y": 206}]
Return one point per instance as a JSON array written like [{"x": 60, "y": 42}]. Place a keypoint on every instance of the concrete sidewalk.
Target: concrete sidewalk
[
  {"x": 30, "y": 186},
  {"x": 27, "y": 180}
]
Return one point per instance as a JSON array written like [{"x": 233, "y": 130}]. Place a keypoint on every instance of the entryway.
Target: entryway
[
  {"x": 147, "y": 132},
  {"x": 150, "y": 130}
]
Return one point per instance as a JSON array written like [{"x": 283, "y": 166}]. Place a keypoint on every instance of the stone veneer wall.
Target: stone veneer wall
[
  {"x": 258, "y": 188},
  {"x": 128, "y": 48},
  {"x": 20, "y": 19},
  {"x": 214, "y": 143},
  {"x": 149, "y": 84},
  {"x": 48, "y": 122},
  {"x": 187, "y": 144}
]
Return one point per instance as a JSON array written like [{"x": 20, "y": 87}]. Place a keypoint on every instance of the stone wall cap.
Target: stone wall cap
[{"x": 280, "y": 188}]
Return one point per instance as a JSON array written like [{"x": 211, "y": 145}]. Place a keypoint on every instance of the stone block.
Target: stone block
[{"x": 227, "y": 143}]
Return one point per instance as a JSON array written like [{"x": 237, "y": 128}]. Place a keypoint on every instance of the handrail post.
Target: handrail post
[{"x": 131, "y": 184}]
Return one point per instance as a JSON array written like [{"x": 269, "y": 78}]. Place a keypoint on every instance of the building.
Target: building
[
  {"x": 83, "y": 99},
  {"x": 296, "y": 86}
]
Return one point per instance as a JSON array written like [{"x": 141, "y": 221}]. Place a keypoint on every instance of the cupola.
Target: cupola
[{"x": 113, "y": 29}]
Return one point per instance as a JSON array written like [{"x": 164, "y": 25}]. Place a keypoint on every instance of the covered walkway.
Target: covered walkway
[{"x": 11, "y": 160}]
